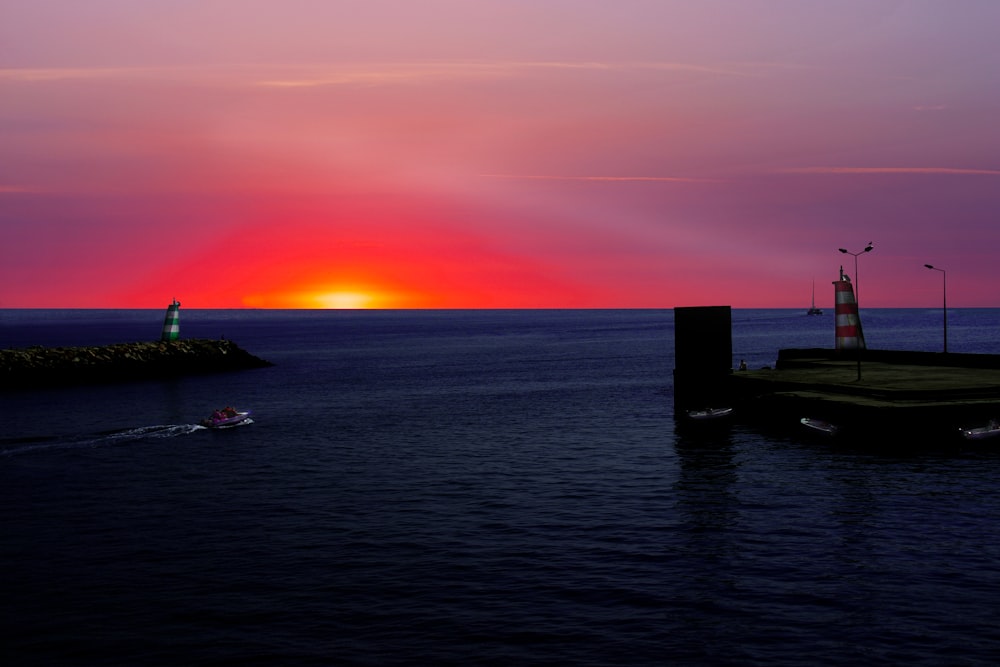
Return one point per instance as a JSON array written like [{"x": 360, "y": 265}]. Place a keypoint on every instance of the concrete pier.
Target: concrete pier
[{"x": 900, "y": 394}]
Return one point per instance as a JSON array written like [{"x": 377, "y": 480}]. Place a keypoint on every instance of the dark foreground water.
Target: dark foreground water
[{"x": 477, "y": 487}]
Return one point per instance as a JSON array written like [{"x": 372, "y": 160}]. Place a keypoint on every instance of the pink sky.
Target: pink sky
[{"x": 497, "y": 153}]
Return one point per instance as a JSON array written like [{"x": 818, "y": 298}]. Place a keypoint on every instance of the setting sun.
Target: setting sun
[
  {"x": 345, "y": 300},
  {"x": 333, "y": 298}
]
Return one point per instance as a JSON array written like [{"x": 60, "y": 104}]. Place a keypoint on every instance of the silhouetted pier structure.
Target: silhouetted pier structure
[
  {"x": 901, "y": 395},
  {"x": 925, "y": 394}
]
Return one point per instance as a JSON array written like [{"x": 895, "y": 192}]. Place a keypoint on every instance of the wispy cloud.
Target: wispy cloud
[
  {"x": 613, "y": 179},
  {"x": 43, "y": 74},
  {"x": 891, "y": 170},
  {"x": 376, "y": 74},
  {"x": 734, "y": 70},
  {"x": 333, "y": 74},
  {"x": 50, "y": 74},
  {"x": 388, "y": 73}
]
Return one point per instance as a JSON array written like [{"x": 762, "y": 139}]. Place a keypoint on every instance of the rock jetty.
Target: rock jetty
[{"x": 60, "y": 366}]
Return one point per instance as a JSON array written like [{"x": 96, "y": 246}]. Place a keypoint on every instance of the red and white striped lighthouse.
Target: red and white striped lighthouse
[{"x": 849, "y": 333}]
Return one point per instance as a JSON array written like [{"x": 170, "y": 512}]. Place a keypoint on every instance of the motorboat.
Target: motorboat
[
  {"x": 990, "y": 430},
  {"x": 225, "y": 418}
]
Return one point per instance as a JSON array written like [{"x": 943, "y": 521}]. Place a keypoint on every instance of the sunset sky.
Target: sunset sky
[{"x": 497, "y": 153}]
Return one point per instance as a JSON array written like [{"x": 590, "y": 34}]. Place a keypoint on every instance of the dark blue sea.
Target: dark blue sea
[{"x": 479, "y": 488}]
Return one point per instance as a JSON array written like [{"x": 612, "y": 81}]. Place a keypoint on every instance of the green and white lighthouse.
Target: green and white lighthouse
[{"x": 172, "y": 324}]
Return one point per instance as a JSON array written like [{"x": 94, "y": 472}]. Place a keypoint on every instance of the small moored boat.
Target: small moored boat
[
  {"x": 709, "y": 413},
  {"x": 819, "y": 426},
  {"x": 225, "y": 417},
  {"x": 990, "y": 430}
]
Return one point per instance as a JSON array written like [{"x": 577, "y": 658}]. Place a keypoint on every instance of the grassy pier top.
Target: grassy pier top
[
  {"x": 915, "y": 392},
  {"x": 59, "y": 366},
  {"x": 881, "y": 382}
]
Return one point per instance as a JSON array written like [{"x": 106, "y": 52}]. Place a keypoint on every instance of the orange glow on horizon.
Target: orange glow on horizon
[
  {"x": 439, "y": 159},
  {"x": 342, "y": 300},
  {"x": 334, "y": 298},
  {"x": 356, "y": 254}
]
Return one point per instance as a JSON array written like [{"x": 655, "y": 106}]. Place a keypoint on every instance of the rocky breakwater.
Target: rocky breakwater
[{"x": 58, "y": 366}]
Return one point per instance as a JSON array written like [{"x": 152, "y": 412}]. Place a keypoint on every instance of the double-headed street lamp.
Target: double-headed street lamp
[
  {"x": 944, "y": 301},
  {"x": 857, "y": 293},
  {"x": 857, "y": 282}
]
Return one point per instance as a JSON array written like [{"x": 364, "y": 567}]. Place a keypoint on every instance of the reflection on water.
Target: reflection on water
[{"x": 478, "y": 488}]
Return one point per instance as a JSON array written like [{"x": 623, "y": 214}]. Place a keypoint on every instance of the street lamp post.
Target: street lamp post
[
  {"x": 944, "y": 301},
  {"x": 857, "y": 292}
]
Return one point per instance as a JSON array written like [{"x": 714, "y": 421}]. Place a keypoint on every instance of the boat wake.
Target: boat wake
[
  {"x": 165, "y": 431},
  {"x": 116, "y": 437}
]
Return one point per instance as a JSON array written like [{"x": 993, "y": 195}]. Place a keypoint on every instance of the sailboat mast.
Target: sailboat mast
[{"x": 813, "y": 310}]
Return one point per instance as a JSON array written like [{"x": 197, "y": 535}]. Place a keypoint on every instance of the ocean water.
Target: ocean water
[{"x": 479, "y": 488}]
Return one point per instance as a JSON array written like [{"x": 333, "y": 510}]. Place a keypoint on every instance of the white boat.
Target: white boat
[
  {"x": 225, "y": 418},
  {"x": 813, "y": 310},
  {"x": 820, "y": 426},
  {"x": 709, "y": 413},
  {"x": 990, "y": 430}
]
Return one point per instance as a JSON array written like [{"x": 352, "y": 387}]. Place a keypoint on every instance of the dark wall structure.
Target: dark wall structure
[{"x": 703, "y": 353}]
